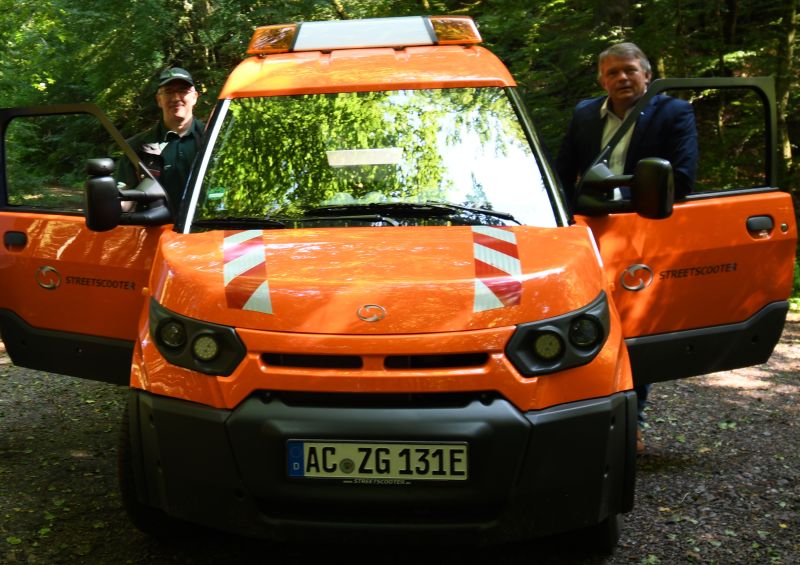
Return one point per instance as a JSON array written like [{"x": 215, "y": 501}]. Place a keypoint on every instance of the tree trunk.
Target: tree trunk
[{"x": 784, "y": 72}]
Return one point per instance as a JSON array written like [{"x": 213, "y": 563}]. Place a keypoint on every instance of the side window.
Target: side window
[
  {"x": 45, "y": 158},
  {"x": 732, "y": 139}
]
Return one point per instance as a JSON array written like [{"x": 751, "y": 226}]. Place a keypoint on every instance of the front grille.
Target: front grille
[
  {"x": 435, "y": 361},
  {"x": 313, "y": 361},
  {"x": 391, "y": 362}
]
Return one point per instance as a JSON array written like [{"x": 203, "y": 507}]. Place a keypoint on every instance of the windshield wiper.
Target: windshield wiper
[
  {"x": 231, "y": 222},
  {"x": 401, "y": 209},
  {"x": 428, "y": 209},
  {"x": 356, "y": 217},
  {"x": 275, "y": 223},
  {"x": 492, "y": 213}
]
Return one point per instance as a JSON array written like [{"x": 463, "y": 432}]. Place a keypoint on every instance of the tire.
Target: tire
[{"x": 148, "y": 519}]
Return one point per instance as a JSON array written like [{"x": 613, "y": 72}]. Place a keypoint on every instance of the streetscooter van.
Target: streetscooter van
[{"x": 372, "y": 310}]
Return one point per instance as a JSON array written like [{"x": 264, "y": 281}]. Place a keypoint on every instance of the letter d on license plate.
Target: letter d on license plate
[{"x": 354, "y": 460}]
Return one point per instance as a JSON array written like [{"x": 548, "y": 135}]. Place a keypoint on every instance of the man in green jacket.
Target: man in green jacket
[{"x": 169, "y": 147}]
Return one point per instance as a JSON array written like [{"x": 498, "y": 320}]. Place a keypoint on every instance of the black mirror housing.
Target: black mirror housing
[
  {"x": 596, "y": 188},
  {"x": 154, "y": 210},
  {"x": 100, "y": 167},
  {"x": 101, "y": 197},
  {"x": 103, "y": 200},
  {"x": 653, "y": 189}
]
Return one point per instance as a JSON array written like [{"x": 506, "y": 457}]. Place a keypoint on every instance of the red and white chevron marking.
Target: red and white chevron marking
[
  {"x": 245, "y": 271},
  {"x": 498, "y": 272}
]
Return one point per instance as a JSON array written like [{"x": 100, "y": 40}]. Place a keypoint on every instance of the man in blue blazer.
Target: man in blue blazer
[{"x": 665, "y": 128}]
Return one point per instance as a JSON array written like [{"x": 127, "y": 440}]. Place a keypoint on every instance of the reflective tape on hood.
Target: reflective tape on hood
[
  {"x": 498, "y": 272},
  {"x": 245, "y": 271}
]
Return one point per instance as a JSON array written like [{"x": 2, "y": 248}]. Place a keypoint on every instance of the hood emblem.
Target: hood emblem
[
  {"x": 637, "y": 277},
  {"x": 371, "y": 313}
]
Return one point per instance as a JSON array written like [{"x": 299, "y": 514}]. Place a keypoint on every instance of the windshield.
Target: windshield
[{"x": 413, "y": 157}]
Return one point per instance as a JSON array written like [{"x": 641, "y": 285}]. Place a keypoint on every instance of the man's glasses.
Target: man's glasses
[{"x": 182, "y": 92}]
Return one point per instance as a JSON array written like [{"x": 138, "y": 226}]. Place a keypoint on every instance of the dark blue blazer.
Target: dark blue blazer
[{"x": 665, "y": 129}]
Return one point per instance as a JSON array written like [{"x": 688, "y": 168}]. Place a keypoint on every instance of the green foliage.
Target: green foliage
[
  {"x": 109, "y": 51},
  {"x": 45, "y": 159}
]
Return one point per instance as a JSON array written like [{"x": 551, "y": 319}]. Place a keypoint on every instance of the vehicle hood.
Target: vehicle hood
[{"x": 377, "y": 280}]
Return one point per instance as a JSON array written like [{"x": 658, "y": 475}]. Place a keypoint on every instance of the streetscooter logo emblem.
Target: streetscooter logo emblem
[
  {"x": 48, "y": 278},
  {"x": 637, "y": 277},
  {"x": 371, "y": 313}
]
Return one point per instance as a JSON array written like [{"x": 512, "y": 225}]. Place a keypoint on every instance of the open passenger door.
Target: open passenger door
[
  {"x": 71, "y": 298},
  {"x": 706, "y": 289}
]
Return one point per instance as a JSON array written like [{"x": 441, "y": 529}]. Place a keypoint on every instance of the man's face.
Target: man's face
[
  {"x": 176, "y": 100},
  {"x": 624, "y": 80}
]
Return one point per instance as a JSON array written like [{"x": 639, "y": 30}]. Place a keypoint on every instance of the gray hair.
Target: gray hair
[{"x": 624, "y": 51}]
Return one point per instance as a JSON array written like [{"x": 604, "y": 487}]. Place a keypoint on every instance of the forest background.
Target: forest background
[{"x": 109, "y": 52}]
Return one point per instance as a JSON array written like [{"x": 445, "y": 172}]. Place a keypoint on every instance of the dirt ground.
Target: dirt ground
[{"x": 720, "y": 482}]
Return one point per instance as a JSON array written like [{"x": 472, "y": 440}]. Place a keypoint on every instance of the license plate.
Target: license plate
[{"x": 377, "y": 461}]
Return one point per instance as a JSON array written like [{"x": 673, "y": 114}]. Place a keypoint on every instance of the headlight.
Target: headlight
[
  {"x": 547, "y": 346},
  {"x": 205, "y": 347},
  {"x": 172, "y": 333},
  {"x": 555, "y": 344},
  {"x": 585, "y": 332},
  {"x": 200, "y": 346}
]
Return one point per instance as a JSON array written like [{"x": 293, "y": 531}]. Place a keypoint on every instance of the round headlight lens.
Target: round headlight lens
[
  {"x": 205, "y": 348},
  {"x": 172, "y": 334},
  {"x": 548, "y": 346},
  {"x": 585, "y": 332}
]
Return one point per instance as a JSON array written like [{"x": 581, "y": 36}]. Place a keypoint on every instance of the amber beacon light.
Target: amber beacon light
[{"x": 374, "y": 32}]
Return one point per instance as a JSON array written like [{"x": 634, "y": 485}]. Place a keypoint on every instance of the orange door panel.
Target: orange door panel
[
  {"x": 705, "y": 289},
  {"x": 702, "y": 266},
  {"x": 72, "y": 297}
]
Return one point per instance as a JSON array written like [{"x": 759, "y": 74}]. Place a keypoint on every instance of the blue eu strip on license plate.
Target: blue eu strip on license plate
[{"x": 366, "y": 460}]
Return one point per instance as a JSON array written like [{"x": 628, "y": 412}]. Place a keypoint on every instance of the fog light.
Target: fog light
[
  {"x": 205, "y": 348},
  {"x": 585, "y": 332},
  {"x": 548, "y": 346},
  {"x": 172, "y": 334}
]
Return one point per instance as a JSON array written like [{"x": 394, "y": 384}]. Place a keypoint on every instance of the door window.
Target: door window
[
  {"x": 732, "y": 139},
  {"x": 45, "y": 158}
]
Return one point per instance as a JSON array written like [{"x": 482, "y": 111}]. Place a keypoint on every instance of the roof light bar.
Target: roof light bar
[
  {"x": 373, "y": 32},
  {"x": 272, "y": 39},
  {"x": 455, "y": 30}
]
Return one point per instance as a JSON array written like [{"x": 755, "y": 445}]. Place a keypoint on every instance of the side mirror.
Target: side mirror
[
  {"x": 154, "y": 210},
  {"x": 101, "y": 197},
  {"x": 103, "y": 200},
  {"x": 596, "y": 188},
  {"x": 653, "y": 190}
]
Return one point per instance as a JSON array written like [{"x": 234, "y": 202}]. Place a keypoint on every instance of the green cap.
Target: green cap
[{"x": 175, "y": 73}]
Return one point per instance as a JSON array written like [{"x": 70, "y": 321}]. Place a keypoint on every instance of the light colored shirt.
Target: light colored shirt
[{"x": 616, "y": 162}]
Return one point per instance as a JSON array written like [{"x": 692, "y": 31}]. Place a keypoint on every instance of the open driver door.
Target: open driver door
[{"x": 706, "y": 288}]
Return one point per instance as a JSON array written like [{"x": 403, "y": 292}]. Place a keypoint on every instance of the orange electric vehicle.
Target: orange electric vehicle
[{"x": 372, "y": 310}]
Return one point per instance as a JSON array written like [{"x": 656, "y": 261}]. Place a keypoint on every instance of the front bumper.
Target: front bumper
[{"x": 531, "y": 474}]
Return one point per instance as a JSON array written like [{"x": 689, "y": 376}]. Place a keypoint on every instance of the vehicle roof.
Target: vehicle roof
[{"x": 354, "y": 70}]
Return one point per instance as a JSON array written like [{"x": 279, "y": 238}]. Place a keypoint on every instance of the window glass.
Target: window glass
[
  {"x": 732, "y": 139},
  {"x": 414, "y": 157},
  {"x": 46, "y": 159}
]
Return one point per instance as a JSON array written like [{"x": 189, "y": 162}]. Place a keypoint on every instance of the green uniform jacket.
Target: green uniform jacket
[{"x": 167, "y": 155}]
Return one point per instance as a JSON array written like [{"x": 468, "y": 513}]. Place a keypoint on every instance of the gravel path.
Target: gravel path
[{"x": 720, "y": 482}]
